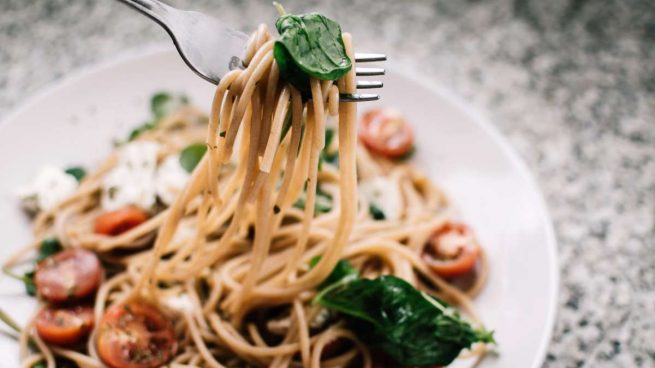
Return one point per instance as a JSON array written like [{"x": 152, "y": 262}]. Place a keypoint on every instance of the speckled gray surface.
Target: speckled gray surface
[{"x": 570, "y": 82}]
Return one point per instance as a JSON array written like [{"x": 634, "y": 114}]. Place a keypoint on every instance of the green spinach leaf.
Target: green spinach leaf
[
  {"x": 310, "y": 45},
  {"x": 322, "y": 202},
  {"x": 411, "y": 327},
  {"x": 191, "y": 156},
  {"x": 343, "y": 271},
  {"x": 77, "y": 172}
]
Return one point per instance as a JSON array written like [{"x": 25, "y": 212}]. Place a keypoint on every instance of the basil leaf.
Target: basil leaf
[
  {"x": 163, "y": 104},
  {"x": 329, "y": 137},
  {"x": 322, "y": 202},
  {"x": 411, "y": 327},
  {"x": 140, "y": 129},
  {"x": 407, "y": 155},
  {"x": 310, "y": 45},
  {"x": 48, "y": 247},
  {"x": 376, "y": 212},
  {"x": 342, "y": 271},
  {"x": 30, "y": 285},
  {"x": 326, "y": 155},
  {"x": 191, "y": 156},
  {"x": 77, "y": 172}
]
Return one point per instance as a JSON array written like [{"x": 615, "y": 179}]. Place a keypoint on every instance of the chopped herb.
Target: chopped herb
[
  {"x": 310, "y": 45},
  {"x": 376, "y": 212},
  {"x": 191, "y": 156},
  {"x": 411, "y": 327},
  {"x": 111, "y": 192},
  {"x": 77, "y": 172}
]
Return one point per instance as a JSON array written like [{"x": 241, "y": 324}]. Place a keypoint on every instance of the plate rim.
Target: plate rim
[{"x": 476, "y": 113}]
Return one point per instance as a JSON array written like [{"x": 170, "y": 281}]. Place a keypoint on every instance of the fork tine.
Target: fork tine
[
  {"x": 358, "y": 97},
  {"x": 362, "y": 84},
  {"x": 365, "y": 57},
  {"x": 369, "y": 71}
]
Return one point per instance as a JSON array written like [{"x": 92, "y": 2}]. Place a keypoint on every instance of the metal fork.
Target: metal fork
[{"x": 211, "y": 49}]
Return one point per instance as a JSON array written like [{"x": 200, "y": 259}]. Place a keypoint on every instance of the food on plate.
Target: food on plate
[{"x": 281, "y": 230}]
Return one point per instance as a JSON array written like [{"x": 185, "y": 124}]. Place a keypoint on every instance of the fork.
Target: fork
[{"x": 211, "y": 49}]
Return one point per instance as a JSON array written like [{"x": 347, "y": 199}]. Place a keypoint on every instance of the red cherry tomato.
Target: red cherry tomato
[
  {"x": 135, "y": 335},
  {"x": 386, "y": 132},
  {"x": 452, "y": 250},
  {"x": 64, "y": 326},
  {"x": 117, "y": 222},
  {"x": 71, "y": 274}
]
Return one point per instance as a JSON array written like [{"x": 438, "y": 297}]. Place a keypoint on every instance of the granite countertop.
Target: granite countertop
[{"x": 570, "y": 82}]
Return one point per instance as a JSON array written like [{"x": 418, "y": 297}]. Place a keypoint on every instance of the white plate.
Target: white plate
[{"x": 75, "y": 121}]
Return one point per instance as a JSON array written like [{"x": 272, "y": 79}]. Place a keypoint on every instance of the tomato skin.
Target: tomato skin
[
  {"x": 135, "y": 335},
  {"x": 116, "y": 222},
  {"x": 64, "y": 326},
  {"x": 386, "y": 132},
  {"x": 463, "y": 262},
  {"x": 71, "y": 274}
]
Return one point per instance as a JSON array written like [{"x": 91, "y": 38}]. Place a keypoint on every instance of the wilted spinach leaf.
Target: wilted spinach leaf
[
  {"x": 411, "y": 327},
  {"x": 310, "y": 45},
  {"x": 191, "y": 156}
]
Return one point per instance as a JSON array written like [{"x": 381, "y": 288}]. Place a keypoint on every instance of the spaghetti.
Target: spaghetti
[{"x": 230, "y": 262}]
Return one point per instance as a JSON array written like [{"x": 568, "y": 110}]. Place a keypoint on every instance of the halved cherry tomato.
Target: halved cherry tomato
[
  {"x": 135, "y": 335},
  {"x": 64, "y": 326},
  {"x": 386, "y": 132},
  {"x": 71, "y": 274},
  {"x": 452, "y": 250},
  {"x": 119, "y": 221}
]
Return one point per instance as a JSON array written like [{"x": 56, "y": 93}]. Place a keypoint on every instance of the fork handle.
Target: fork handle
[{"x": 158, "y": 11}]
